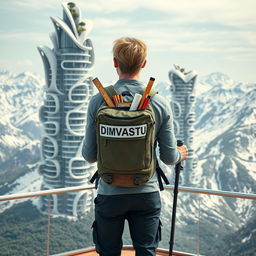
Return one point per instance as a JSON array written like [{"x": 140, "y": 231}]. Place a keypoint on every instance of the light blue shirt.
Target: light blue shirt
[{"x": 165, "y": 138}]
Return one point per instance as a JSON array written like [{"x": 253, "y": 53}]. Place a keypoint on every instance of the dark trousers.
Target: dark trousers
[{"x": 142, "y": 212}]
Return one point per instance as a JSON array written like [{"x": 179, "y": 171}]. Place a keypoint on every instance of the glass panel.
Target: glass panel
[
  {"x": 208, "y": 224},
  {"x": 26, "y": 230}
]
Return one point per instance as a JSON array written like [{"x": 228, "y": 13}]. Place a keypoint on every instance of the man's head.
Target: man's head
[{"x": 129, "y": 55}]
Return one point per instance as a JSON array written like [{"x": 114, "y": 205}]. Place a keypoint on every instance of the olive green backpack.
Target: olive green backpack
[{"x": 125, "y": 144}]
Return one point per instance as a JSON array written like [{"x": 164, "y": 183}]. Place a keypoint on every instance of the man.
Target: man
[{"x": 139, "y": 205}]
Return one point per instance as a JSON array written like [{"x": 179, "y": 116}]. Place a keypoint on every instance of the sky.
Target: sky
[{"x": 203, "y": 35}]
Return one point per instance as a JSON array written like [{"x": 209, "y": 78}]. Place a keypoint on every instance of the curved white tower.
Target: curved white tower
[
  {"x": 67, "y": 93},
  {"x": 182, "y": 87}
]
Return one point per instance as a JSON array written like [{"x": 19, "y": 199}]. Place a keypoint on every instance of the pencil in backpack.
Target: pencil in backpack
[{"x": 147, "y": 91}]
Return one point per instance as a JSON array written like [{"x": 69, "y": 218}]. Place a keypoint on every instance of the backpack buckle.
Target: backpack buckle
[
  {"x": 137, "y": 180},
  {"x": 108, "y": 178}
]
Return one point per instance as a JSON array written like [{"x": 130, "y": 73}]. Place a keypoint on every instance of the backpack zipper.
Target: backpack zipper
[{"x": 129, "y": 118}]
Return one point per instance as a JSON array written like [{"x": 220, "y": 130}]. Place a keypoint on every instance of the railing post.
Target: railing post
[
  {"x": 198, "y": 225},
  {"x": 48, "y": 241}
]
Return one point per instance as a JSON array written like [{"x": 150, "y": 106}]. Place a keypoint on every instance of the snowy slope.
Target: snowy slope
[
  {"x": 31, "y": 181},
  {"x": 20, "y": 97},
  {"x": 225, "y": 134}
]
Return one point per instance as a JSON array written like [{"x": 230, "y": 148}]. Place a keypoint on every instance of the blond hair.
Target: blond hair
[{"x": 130, "y": 54}]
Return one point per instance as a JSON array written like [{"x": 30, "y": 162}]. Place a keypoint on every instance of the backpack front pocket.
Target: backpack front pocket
[{"x": 124, "y": 154}]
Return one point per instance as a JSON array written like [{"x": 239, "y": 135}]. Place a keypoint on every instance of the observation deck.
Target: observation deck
[{"x": 127, "y": 250}]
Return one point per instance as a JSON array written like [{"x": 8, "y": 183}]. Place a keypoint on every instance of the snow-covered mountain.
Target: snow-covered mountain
[
  {"x": 225, "y": 135},
  {"x": 224, "y": 143},
  {"x": 20, "y": 97}
]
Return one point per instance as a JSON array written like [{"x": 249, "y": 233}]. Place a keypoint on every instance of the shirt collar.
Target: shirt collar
[{"x": 128, "y": 81}]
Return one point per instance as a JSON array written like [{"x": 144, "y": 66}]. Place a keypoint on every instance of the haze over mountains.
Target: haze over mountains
[{"x": 224, "y": 143}]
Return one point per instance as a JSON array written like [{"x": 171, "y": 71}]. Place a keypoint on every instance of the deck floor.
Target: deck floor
[
  {"x": 124, "y": 253},
  {"x": 127, "y": 251}
]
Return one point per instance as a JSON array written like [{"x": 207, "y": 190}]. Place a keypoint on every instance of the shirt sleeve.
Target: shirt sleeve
[
  {"x": 89, "y": 150},
  {"x": 166, "y": 139}
]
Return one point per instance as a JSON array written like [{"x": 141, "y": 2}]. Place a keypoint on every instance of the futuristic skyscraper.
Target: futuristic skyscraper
[
  {"x": 182, "y": 87},
  {"x": 63, "y": 115}
]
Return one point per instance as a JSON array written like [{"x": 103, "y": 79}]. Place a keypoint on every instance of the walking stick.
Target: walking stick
[{"x": 178, "y": 167}]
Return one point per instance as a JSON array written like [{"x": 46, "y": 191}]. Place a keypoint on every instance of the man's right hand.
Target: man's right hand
[{"x": 183, "y": 151}]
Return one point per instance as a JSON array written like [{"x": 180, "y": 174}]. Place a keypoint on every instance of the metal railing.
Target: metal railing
[
  {"x": 213, "y": 192},
  {"x": 45, "y": 192},
  {"x": 169, "y": 187}
]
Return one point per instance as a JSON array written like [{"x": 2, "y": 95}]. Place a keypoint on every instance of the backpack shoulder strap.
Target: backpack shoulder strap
[
  {"x": 161, "y": 176},
  {"x": 95, "y": 178},
  {"x": 110, "y": 91}
]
